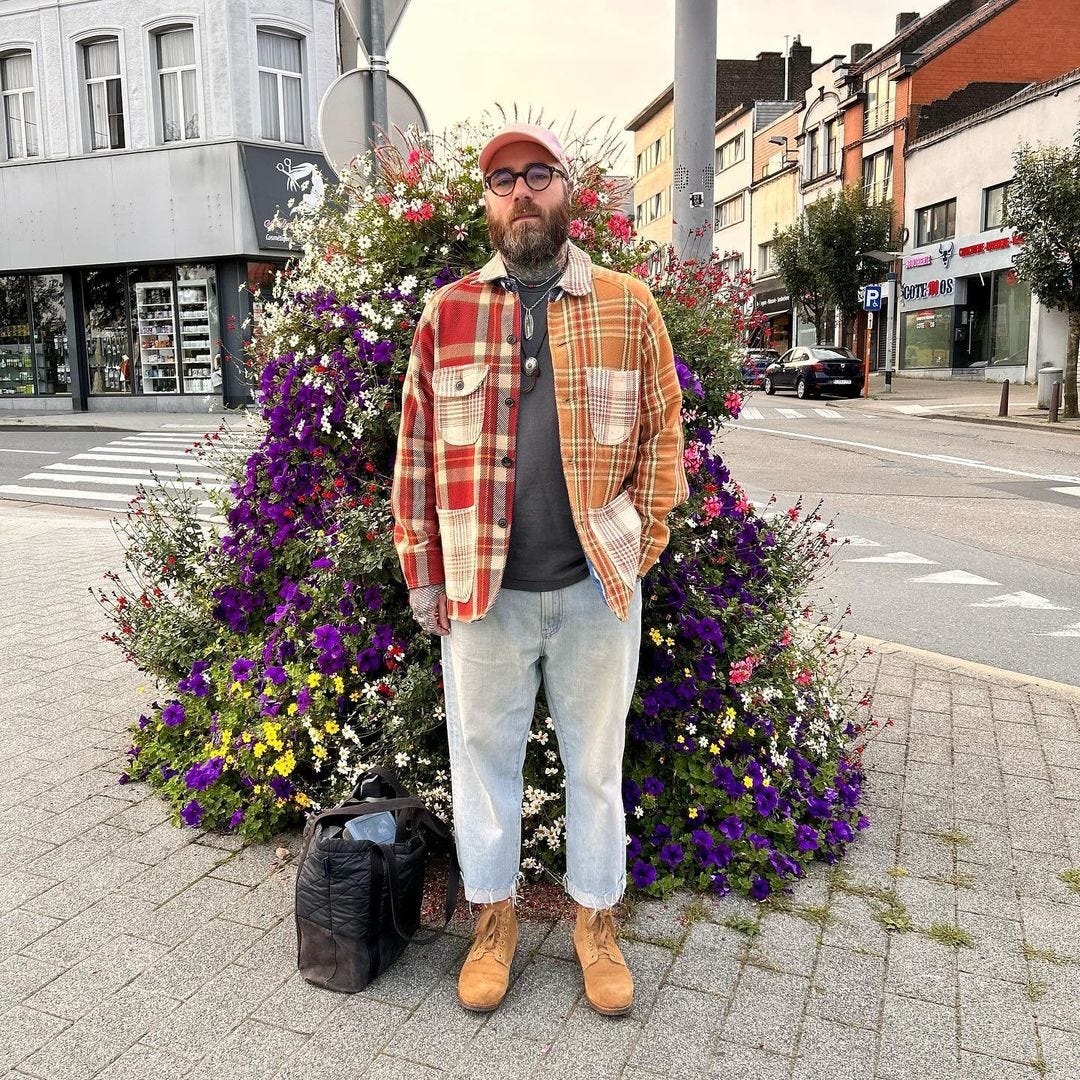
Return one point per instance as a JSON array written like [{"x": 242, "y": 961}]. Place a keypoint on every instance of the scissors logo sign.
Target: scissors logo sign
[{"x": 304, "y": 175}]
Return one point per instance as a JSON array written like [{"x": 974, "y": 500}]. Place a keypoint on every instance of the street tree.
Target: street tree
[
  {"x": 818, "y": 256},
  {"x": 1043, "y": 206}
]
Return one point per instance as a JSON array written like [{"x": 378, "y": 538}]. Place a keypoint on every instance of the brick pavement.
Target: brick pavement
[{"x": 130, "y": 948}]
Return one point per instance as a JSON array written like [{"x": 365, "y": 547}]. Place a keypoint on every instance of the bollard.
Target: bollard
[
  {"x": 1003, "y": 407},
  {"x": 1055, "y": 393}
]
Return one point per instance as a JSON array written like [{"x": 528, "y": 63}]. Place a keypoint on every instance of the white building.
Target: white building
[
  {"x": 145, "y": 146},
  {"x": 963, "y": 311}
]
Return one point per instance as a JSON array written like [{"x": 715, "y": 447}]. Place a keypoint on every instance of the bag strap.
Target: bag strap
[
  {"x": 453, "y": 882},
  {"x": 383, "y": 775},
  {"x": 376, "y": 806}
]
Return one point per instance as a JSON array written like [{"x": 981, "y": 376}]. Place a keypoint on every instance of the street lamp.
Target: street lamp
[{"x": 887, "y": 258}]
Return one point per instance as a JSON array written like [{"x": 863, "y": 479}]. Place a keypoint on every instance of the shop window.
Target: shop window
[
  {"x": 177, "y": 84},
  {"x": 16, "y": 348},
  {"x": 21, "y": 139},
  {"x": 260, "y": 284},
  {"x": 994, "y": 204},
  {"x": 48, "y": 310},
  {"x": 281, "y": 87},
  {"x": 1010, "y": 319},
  {"x": 104, "y": 94},
  {"x": 199, "y": 341},
  {"x": 928, "y": 338},
  {"x": 934, "y": 223},
  {"x": 108, "y": 344}
]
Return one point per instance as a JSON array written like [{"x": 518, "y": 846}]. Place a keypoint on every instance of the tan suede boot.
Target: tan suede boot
[
  {"x": 485, "y": 974},
  {"x": 609, "y": 986}
]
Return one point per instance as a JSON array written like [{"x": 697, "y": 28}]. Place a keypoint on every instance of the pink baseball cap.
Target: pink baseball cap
[{"x": 523, "y": 133}]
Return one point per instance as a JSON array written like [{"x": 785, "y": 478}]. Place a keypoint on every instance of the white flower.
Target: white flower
[
  {"x": 408, "y": 284},
  {"x": 401, "y": 760},
  {"x": 399, "y": 190}
]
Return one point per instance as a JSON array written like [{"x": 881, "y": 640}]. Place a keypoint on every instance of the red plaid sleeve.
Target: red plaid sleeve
[
  {"x": 412, "y": 497},
  {"x": 658, "y": 482}
]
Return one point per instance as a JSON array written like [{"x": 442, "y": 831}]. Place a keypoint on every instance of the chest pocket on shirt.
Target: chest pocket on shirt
[
  {"x": 459, "y": 402},
  {"x": 613, "y": 403}
]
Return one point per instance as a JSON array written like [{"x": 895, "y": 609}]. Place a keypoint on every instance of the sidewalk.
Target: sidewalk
[
  {"x": 194, "y": 422},
  {"x": 946, "y": 945}
]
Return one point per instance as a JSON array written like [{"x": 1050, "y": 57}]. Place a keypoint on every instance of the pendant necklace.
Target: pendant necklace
[
  {"x": 528, "y": 326},
  {"x": 530, "y": 366}
]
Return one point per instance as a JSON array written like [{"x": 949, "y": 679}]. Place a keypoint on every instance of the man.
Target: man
[{"x": 539, "y": 455}]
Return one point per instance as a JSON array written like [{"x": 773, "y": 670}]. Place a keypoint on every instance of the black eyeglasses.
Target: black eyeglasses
[{"x": 537, "y": 177}]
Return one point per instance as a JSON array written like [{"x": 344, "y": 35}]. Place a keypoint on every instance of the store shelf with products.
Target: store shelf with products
[
  {"x": 16, "y": 368},
  {"x": 195, "y": 302},
  {"x": 157, "y": 336}
]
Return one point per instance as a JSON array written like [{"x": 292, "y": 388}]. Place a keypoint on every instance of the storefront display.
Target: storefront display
[
  {"x": 157, "y": 336},
  {"x": 197, "y": 308},
  {"x": 52, "y": 360},
  {"x": 108, "y": 341},
  {"x": 16, "y": 349},
  {"x": 928, "y": 338}
]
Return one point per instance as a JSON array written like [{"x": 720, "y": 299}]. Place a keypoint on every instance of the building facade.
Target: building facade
[
  {"x": 146, "y": 148},
  {"x": 964, "y": 311}
]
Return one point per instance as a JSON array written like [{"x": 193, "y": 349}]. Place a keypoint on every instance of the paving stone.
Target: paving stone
[
  {"x": 439, "y": 1029},
  {"x": 847, "y": 987},
  {"x": 679, "y": 1032},
  {"x": 138, "y": 1062},
  {"x": 184, "y": 867},
  {"x": 995, "y": 1018},
  {"x": 828, "y": 1050},
  {"x": 1052, "y": 926},
  {"x": 1061, "y": 1051},
  {"x": 252, "y": 1051},
  {"x": 19, "y": 928},
  {"x": 786, "y": 942},
  {"x": 710, "y": 959},
  {"x": 919, "y": 968},
  {"x": 998, "y": 950},
  {"x": 539, "y": 1000},
  {"x": 730, "y": 1061},
  {"x": 193, "y": 907},
  {"x": 1055, "y": 989},
  {"x": 659, "y": 921},
  {"x": 649, "y": 965},
  {"x": 18, "y": 886},
  {"x": 25, "y": 1031},
  {"x": 917, "y": 1039},
  {"x": 766, "y": 1010},
  {"x": 385, "y": 1067},
  {"x": 853, "y": 927},
  {"x": 981, "y": 1067},
  {"x": 927, "y": 901},
  {"x": 298, "y": 1006},
  {"x": 499, "y": 1055},
  {"x": 417, "y": 970},
  {"x": 589, "y": 1046}
]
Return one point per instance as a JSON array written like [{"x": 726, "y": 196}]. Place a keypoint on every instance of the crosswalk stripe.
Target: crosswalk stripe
[
  {"x": 150, "y": 459},
  {"x": 832, "y": 414},
  {"x": 1067, "y": 490},
  {"x": 126, "y": 470},
  {"x": 146, "y": 481},
  {"x": 751, "y": 414},
  {"x": 53, "y": 493},
  {"x": 792, "y": 414}
]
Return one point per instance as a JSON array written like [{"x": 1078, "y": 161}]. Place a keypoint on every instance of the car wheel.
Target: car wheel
[
  {"x": 767, "y": 385},
  {"x": 801, "y": 388}
]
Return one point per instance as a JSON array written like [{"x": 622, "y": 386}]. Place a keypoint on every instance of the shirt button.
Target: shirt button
[
  {"x": 511, "y": 339},
  {"x": 506, "y": 461},
  {"x": 509, "y": 401},
  {"x": 501, "y": 523},
  {"x": 459, "y": 385}
]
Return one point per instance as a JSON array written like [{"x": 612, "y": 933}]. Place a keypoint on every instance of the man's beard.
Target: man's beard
[{"x": 536, "y": 246}]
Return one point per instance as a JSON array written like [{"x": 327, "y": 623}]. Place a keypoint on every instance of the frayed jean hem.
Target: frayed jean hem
[
  {"x": 494, "y": 896},
  {"x": 594, "y": 901}
]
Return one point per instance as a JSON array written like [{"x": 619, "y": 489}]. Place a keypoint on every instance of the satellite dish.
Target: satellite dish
[{"x": 345, "y": 116}]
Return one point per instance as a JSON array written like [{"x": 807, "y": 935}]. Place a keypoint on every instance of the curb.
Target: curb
[
  {"x": 964, "y": 667},
  {"x": 104, "y": 427},
  {"x": 1000, "y": 421}
]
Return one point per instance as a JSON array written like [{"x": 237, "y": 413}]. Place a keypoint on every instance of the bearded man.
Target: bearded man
[{"x": 539, "y": 455}]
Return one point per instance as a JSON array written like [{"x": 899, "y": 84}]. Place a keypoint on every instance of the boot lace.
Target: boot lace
[
  {"x": 604, "y": 935},
  {"x": 488, "y": 933}
]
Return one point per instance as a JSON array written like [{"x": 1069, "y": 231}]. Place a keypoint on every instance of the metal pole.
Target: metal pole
[
  {"x": 695, "y": 128},
  {"x": 892, "y": 329},
  {"x": 379, "y": 67}
]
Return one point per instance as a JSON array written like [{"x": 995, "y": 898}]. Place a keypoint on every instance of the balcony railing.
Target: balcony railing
[
  {"x": 877, "y": 117},
  {"x": 879, "y": 190}
]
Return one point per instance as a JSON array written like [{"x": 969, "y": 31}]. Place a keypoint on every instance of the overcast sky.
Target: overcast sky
[{"x": 602, "y": 58}]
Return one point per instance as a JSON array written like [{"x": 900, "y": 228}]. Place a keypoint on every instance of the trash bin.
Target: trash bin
[{"x": 1047, "y": 377}]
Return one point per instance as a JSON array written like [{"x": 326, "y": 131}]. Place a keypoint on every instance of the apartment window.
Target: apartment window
[
  {"x": 937, "y": 222},
  {"x": 765, "y": 258},
  {"x": 731, "y": 152},
  {"x": 831, "y": 147},
  {"x": 649, "y": 210},
  {"x": 880, "y": 95},
  {"x": 732, "y": 265},
  {"x": 877, "y": 176},
  {"x": 20, "y": 106},
  {"x": 730, "y": 212},
  {"x": 994, "y": 204},
  {"x": 177, "y": 84},
  {"x": 281, "y": 87},
  {"x": 104, "y": 94},
  {"x": 813, "y": 141}
]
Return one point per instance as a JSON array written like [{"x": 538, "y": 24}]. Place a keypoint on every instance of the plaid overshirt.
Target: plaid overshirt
[{"x": 619, "y": 404}]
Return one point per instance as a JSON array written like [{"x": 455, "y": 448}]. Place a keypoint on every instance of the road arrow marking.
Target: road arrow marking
[
  {"x": 954, "y": 577},
  {"x": 857, "y": 541},
  {"x": 1021, "y": 600},
  {"x": 1069, "y": 631},
  {"x": 895, "y": 557}
]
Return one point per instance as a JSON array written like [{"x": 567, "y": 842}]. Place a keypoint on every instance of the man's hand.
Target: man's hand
[{"x": 428, "y": 605}]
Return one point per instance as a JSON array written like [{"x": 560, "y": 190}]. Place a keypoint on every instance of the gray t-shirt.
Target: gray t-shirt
[{"x": 544, "y": 550}]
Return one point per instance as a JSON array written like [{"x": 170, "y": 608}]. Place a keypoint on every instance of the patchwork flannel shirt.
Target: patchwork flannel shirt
[{"x": 620, "y": 433}]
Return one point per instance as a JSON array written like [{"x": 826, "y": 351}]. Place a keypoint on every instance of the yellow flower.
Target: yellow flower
[
  {"x": 316, "y": 734},
  {"x": 320, "y": 752},
  {"x": 680, "y": 739},
  {"x": 246, "y": 694},
  {"x": 292, "y": 709},
  {"x": 314, "y": 679},
  {"x": 236, "y": 686},
  {"x": 284, "y": 764},
  {"x": 355, "y": 695},
  {"x": 339, "y": 684},
  {"x": 355, "y": 670},
  {"x": 669, "y": 641},
  {"x": 656, "y": 636},
  {"x": 692, "y": 813},
  {"x": 302, "y": 799},
  {"x": 260, "y": 749},
  {"x": 686, "y": 671},
  {"x": 658, "y": 680},
  {"x": 729, "y": 712},
  {"x": 748, "y": 781},
  {"x": 713, "y": 748},
  {"x": 332, "y": 727}
]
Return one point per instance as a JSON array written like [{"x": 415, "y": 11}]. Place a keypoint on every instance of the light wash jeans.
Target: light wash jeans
[{"x": 492, "y": 669}]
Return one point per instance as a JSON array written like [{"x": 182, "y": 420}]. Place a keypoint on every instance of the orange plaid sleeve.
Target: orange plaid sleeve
[
  {"x": 658, "y": 482},
  {"x": 412, "y": 496}
]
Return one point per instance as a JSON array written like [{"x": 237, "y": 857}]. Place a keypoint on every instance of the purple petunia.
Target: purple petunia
[
  {"x": 732, "y": 827},
  {"x": 192, "y": 814},
  {"x": 237, "y": 819},
  {"x": 671, "y": 855},
  {"x": 765, "y": 799},
  {"x": 173, "y": 714},
  {"x": 241, "y": 669},
  {"x": 373, "y": 597},
  {"x": 840, "y": 832},
  {"x": 643, "y": 874},
  {"x": 806, "y": 839},
  {"x": 633, "y": 847},
  {"x": 759, "y": 888},
  {"x": 200, "y": 777},
  {"x": 653, "y": 786},
  {"x": 276, "y": 674}
]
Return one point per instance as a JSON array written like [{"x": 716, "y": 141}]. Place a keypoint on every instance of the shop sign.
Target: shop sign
[
  {"x": 1000, "y": 244},
  {"x": 917, "y": 260},
  {"x": 274, "y": 176},
  {"x": 927, "y": 290}
]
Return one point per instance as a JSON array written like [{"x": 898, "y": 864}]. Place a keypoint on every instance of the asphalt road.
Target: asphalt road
[{"x": 963, "y": 539}]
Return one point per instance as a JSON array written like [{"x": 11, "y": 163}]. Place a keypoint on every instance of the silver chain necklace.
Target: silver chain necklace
[{"x": 528, "y": 326}]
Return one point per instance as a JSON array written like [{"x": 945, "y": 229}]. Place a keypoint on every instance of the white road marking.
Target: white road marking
[
  {"x": 10, "y": 450},
  {"x": 895, "y": 557},
  {"x": 54, "y": 493},
  {"x": 128, "y": 470},
  {"x": 148, "y": 459},
  {"x": 857, "y": 541},
  {"x": 922, "y": 457},
  {"x": 914, "y": 410},
  {"x": 791, "y": 414},
  {"x": 954, "y": 577},
  {"x": 751, "y": 414},
  {"x": 146, "y": 481},
  {"x": 1020, "y": 600},
  {"x": 1068, "y": 490},
  {"x": 831, "y": 414},
  {"x": 1068, "y": 631}
]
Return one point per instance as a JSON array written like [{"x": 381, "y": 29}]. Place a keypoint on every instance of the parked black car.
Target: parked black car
[
  {"x": 810, "y": 369},
  {"x": 754, "y": 363}
]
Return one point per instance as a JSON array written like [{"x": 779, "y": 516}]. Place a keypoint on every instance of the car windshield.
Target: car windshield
[{"x": 836, "y": 353}]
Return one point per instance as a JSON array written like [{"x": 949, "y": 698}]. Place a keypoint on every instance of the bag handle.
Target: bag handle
[
  {"x": 386, "y": 776},
  {"x": 453, "y": 881}
]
